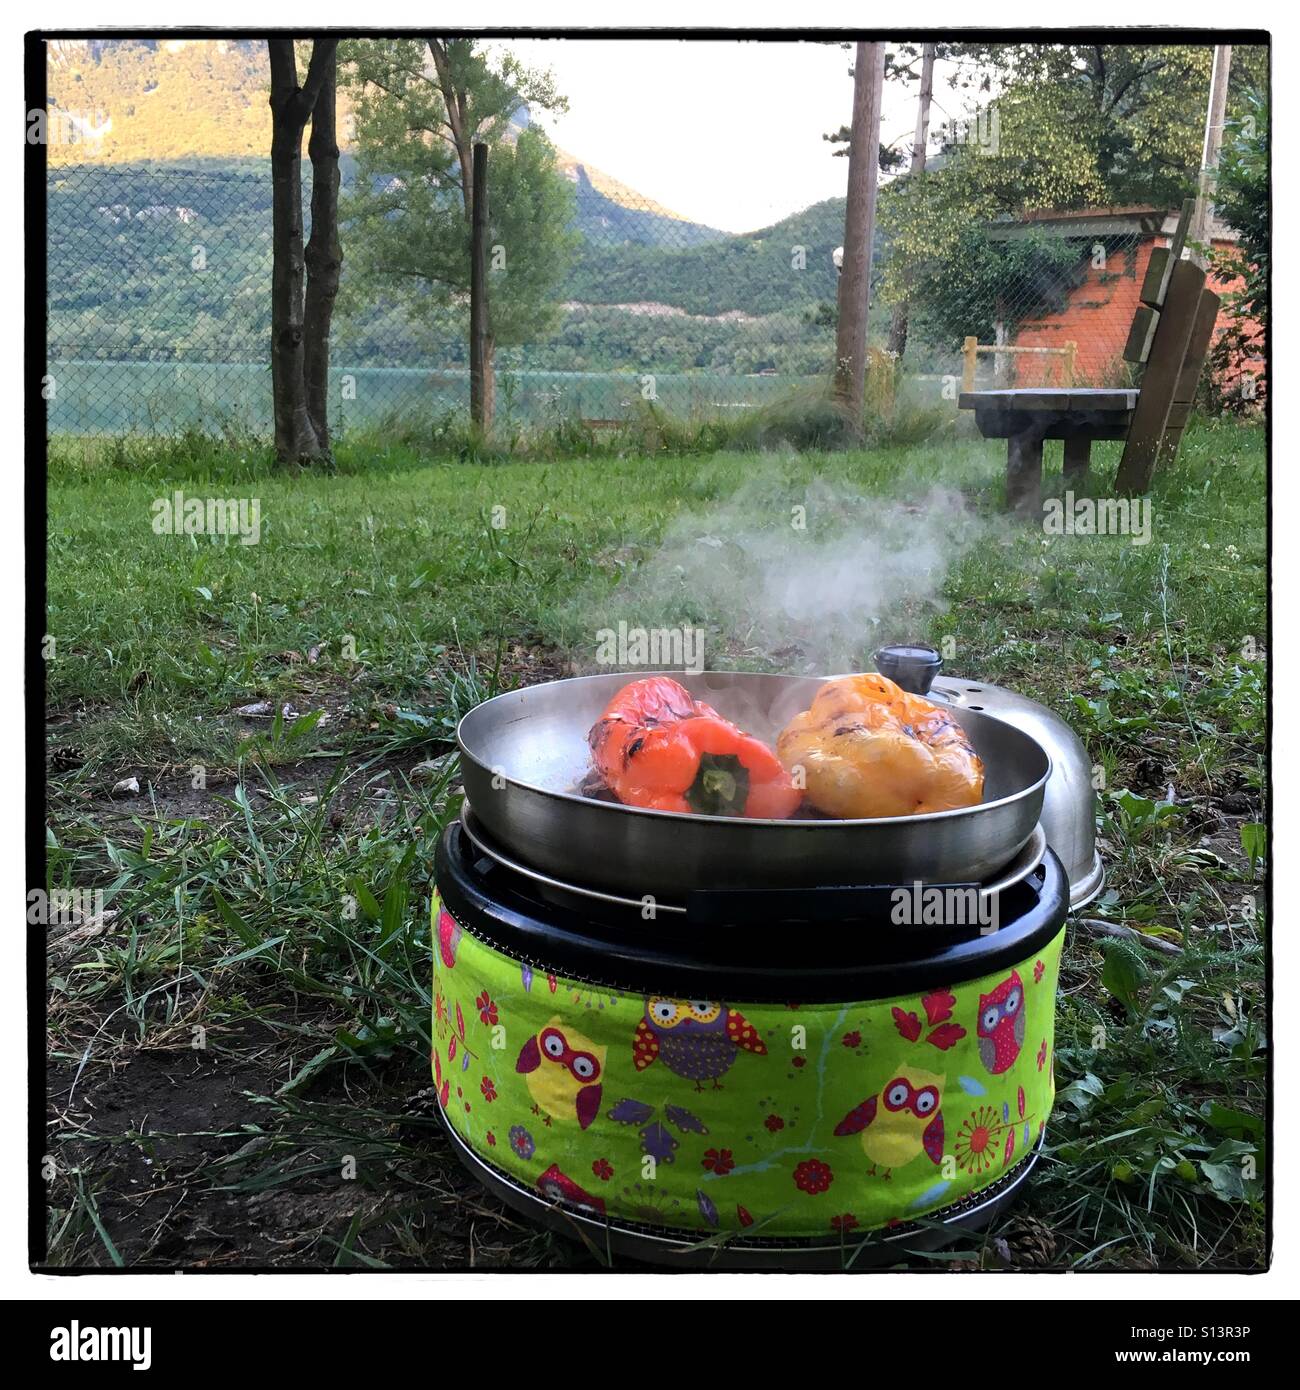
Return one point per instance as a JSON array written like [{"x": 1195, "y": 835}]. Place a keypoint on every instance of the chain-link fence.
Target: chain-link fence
[
  {"x": 1060, "y": 304},
  {"x": 159, "y": 312}
]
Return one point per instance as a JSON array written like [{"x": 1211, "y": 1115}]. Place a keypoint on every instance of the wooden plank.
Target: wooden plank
[
  {"x": 1142, "y": 334},
  {"x": 1015, "y": 398},
  {"x": 1160, "y": 378},
  {"x": 1176, "y": 248},
  {"x": 1154, "y": 279},
  {"x": 1041, "y": 400},
  {"x": 1100, "y": 398},
  {"x": 1198, "y": 345}
]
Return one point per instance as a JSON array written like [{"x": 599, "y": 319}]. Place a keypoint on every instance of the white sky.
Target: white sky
[{"x": 723, "y": 132}]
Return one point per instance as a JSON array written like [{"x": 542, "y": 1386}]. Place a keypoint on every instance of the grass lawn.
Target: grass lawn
[{"x": 227, "y": 1037}]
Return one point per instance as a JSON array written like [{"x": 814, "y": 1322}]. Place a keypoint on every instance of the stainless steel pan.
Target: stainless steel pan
[{"x": 523, "y": 755}]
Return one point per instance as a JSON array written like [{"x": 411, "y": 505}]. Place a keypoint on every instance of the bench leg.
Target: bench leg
[
  {"x": 1076, "y": 458},
  {"x": 1025, "y": 474}
]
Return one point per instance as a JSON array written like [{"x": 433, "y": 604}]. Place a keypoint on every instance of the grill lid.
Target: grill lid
[{"x": 1069, "y": 812}]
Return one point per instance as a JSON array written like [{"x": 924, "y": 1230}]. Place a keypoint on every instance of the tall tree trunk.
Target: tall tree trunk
[
  {"x": 291, "y": 107},
  {"x": 462, "y": 136},
  {"x": 898, "y": 320},
  {"x": 324, "y": 255},
  {"x": 489, "y": 383},
  {"x": 859, "y": 227}
]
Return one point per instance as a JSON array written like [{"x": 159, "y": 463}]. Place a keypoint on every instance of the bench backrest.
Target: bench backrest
[{"x": 1169, "y": 340}]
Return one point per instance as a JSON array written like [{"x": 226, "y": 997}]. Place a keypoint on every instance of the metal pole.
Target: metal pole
[
  {"x": 922, "y": 134},
  {"x": 1201, "y": 221},
  {"x": 898, "y": 320}
]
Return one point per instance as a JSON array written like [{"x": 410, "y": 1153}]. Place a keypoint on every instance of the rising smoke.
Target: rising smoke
[{"x": 799, "y": 578}]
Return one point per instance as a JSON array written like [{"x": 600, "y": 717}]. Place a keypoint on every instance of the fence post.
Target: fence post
[
  {"x": 968, "y": 364},
  {"x": 1004, "y": 368},
  {"x": 478, "y": 315},
  {"x": 1071, "y": 347}
]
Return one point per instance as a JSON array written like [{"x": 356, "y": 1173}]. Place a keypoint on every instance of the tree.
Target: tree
[
  {"x": 324, "y": 254},
  {"x": 859, "y": 231},
  {"x": 296, "y": 437},
  {"x": 1136, "y": 111},
  {"x": 1242, "y": 201},
  {"x": 419, "y": 110}
]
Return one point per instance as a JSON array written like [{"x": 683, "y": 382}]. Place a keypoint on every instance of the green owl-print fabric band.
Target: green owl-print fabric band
[{"x": 759, "y": 1119}]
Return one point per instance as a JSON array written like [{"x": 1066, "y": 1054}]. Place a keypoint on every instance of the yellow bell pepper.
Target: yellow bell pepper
[{"x": 868, "y": 748}]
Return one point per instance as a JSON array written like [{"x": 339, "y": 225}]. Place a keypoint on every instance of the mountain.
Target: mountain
[
  {"x": 772, "y": 270},
  {"x": 127, "y": 101},
  {"x": 610, "y": 212},
  {"x": 158, "y": 99},
  {"x": 160, "y": 247}
]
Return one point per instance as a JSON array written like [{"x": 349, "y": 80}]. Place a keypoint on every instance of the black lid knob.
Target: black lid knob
[{"x": 911, "y": 665}]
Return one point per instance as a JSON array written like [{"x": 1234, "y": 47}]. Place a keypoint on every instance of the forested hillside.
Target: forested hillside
[
  {"x": 169, "y": 260},
  {"x": 160, "y": 247}
]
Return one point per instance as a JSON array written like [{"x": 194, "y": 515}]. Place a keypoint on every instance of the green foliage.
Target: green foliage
[
  {"x": 407, "y": 216},
  {"x": 1235, "y": 383},
  {"x": 1241, "y": 199},
  {"x": 982, "y": 282},
  {"x": 1124, "y": 122},
  {"x": 1124, "y": 974},
  {"x": 122, "y": 276},
  {"x": 1065, "y": 127},
  {"x": 756, "y": 273}
]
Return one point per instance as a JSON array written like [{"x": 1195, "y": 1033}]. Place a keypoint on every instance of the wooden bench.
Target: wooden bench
[{"x": 1169, "y": 340}]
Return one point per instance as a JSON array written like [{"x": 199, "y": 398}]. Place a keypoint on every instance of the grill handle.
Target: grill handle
[
  {"x": 869, "y": 902},
  {"x": 875, "y": 903},
  {"x": 912, "y": 666}
]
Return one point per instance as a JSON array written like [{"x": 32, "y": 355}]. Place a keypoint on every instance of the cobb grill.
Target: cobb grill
[{"x": 706, "y": 1041}]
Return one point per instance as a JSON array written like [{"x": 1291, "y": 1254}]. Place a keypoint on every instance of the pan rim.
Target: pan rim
[{"x": 692, "y": 817}]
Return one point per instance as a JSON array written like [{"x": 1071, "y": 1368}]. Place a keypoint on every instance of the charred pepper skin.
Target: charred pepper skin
[
  {"x": 657, "y": 747},
  {"x": 868, "y": 748}
]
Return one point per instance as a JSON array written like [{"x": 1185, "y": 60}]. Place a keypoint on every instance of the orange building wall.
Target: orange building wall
[{"x": 1097, "y": 315}]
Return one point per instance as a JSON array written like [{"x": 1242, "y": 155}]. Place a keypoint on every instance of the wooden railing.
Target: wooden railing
[{"x": 971, "y": 347}]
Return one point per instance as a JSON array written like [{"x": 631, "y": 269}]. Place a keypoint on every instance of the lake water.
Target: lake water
[{"x": 106, "y": 397}]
